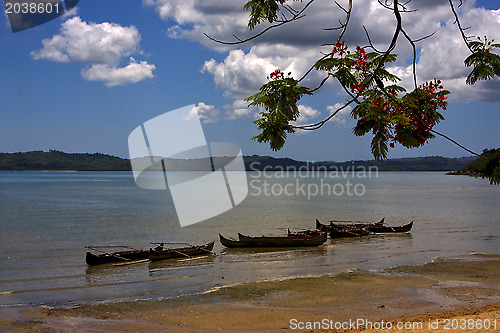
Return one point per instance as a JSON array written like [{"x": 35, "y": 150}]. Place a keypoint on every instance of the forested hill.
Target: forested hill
[
  {"x": 56, "y": 160},
  {"x": 432, "y": 163}
]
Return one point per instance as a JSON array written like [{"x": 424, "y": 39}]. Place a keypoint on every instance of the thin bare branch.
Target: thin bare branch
[
  {"x": 312, "y": 127},
  {"x": 370, "y": 41},
  {"x": 453, "y": 141},
  {"x": 344, "y": 27},
  {"x": 345, "y": 10},
  {"x": 297, "y": 16},
  {"x": 414, "y": 59},
  {"x": 290, "y": 9},
  {"x": 425, "y": 37},
  {"x": 354, "y": 99},
  {"x": 392, "y": 46},
  {"x": 337, "y": 28},
  {"x": 457, "y": 21}
]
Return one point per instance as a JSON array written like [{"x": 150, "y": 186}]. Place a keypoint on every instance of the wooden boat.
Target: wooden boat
[
  {"x": 161, "y": 253},
  {"x": 348, "y": 231},
  {"x": 297, "y": 234},
  {"x": 343, "y": 230},
  {"x": 114, "y": 257},
  {"x": 319, "y": 225},
  {"x": 303, "y": 233},
  {"x": 274, "y": 241},
  {"x": 377, "y": 227},
  {"x": 134, "y": 255},
  {"x": 380, "y": 229}
]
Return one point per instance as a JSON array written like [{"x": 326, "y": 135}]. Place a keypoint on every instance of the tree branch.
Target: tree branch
[
  {"x": 318, "y": 125},
  {"x": 298, "y": 15},
  {"x": 344, "y": 27},
  {"x": 453, "y": 141},
  {"x": 457, "y": 21}
]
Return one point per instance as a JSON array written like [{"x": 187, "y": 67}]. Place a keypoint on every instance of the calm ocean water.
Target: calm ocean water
[{"x": 48, "y": 218}]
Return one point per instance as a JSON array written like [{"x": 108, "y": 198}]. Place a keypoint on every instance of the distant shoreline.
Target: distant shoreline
[{"x": 60, "y": 161}]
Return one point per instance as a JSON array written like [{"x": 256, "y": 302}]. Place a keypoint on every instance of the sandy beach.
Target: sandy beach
[{"x": 459, "y": 295}]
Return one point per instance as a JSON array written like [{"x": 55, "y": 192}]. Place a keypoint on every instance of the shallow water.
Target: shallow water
[{"x": 48, "y": 218}]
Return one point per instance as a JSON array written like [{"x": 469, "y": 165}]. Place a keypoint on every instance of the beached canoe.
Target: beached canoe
[
  {"x": 346, "y": 229},
  {"x": 382, "y": 229},
  {"x": 161, "y": 253},
  {"x": 274, "y": 241},
  {"x": 115, "y": 257},
  {"x": 335, "y": 230},
  {"x": 304, "y": 233},
  {"x": 326, "y": 227}
]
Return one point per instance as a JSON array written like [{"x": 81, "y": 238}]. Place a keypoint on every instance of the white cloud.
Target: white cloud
[
  {"x": 297, "y": 45},
  {"x": 242, "y": 74},
  {"x": 307, "y": 114},
  {"x": 102, "y": 46},
  {"x": 79, "y": 41},
  {"x": 192, "y": 18},
  {"x": 442, "y": 56},
  {"x": 240, "y": 109},
  {"x": 72, "y": 12},
  {"x": 206, "y": 113},
  {"x": 117, "y": 76},
  {"x": 342, "y": 117}
]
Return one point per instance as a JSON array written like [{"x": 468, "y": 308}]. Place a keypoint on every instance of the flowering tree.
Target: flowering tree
[{"x": 381, "y": 107}]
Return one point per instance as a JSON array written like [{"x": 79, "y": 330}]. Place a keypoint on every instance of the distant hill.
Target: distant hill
[
  {"x": 57, "y": 160},
  {"x": 432, "y": 163}
]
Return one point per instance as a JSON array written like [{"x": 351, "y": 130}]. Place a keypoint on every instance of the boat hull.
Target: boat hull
[
  {"x": 108, "y": 258},
  {"x": 340, "y": 230},
  {"x": 387, "y": 229},
  {"x": 185, "y": 252},
  {"x": 287, "y": 241}
]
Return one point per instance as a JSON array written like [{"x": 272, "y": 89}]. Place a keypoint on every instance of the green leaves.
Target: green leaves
[
  {"x": 379, "y": 145},
  {"x": 263, "y": 10},
  {"x": 486, "y": 166},
  {"x": 274, "y": 130},
  {"x": 492, "y": 170},
  {"x": 407, "y": 120},
  {"x": 486, "y": 63},
  {"x": 279, "y": 97}
]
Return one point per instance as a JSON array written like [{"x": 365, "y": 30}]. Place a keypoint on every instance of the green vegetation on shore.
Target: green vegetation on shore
[
  {"x": 486, "y": 166},
  {"x": 57, "y": 160},
  {"x": 431, "y": 163}
]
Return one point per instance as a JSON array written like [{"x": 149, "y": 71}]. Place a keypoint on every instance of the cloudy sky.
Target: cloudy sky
[{"x": 83, "y": 82}]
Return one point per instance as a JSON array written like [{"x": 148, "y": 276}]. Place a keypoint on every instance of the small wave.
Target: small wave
[
  {"x": 440, "y": 259},
  {"x": 281, "y": 279}
]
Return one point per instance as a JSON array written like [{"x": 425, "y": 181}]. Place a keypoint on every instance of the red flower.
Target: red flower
[{"x": 274, "y": 75}]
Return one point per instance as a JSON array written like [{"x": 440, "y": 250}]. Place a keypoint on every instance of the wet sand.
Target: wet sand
[{"x": 433, "y": 295}]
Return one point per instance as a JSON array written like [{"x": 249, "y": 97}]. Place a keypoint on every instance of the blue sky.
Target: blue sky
[{"x": 60, "y": 90}]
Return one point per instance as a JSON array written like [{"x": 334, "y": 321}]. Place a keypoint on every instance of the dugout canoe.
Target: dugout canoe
[
  {"x": 326, "y": 227},
  {"x": 114, "y": 257},
  {"x": 161, "y": 253},
  {"x": 274, "y": 241},
  {"x": 383, "y": 229}
]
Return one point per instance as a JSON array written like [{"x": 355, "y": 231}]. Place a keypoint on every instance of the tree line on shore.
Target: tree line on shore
[{"x": 57, "y": 160}]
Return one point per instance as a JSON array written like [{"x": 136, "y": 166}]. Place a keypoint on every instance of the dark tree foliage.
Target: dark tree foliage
[{"x": 57, "y": 160}]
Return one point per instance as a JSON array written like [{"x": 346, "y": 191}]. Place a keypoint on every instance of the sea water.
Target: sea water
[{"x": 47, "y": 219}]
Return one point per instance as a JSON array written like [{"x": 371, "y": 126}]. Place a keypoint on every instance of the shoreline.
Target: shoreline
[{"x": 440, "y": 290}]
